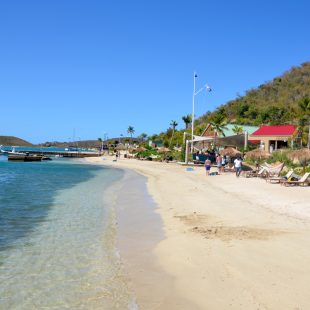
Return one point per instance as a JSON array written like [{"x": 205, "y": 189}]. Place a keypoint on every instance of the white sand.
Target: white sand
[{"x": 230, "y": 243}]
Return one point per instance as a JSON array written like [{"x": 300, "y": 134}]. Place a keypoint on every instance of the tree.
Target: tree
[
  {"x": 143, "y": 136},
  {"x": 237, "y": 130},
  {"x": 187, "y": 120},
  {"x": 131, "y": 131},
  {"x": 304, "y": 106},
  {"x": 218, "y": 124},
  {"x": 302, "y": 134},
  {"x": 173, "y": 124},
  {"x": 99, "y": 139}
]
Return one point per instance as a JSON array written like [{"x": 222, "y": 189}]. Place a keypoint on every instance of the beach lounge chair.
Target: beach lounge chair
[
  {"x": 269, "y": 171},
  {"x": 274, "y": 179},
  {"x": 254, "y": 173},
  {"x": 274, "y": 171},
  {"x": 304, "y": 180}
]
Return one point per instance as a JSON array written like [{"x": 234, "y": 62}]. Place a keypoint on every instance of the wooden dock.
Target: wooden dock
[{"x": 25, "y": 157}]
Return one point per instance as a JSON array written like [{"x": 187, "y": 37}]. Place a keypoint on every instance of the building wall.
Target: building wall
[{"x": 266, "y": 140}]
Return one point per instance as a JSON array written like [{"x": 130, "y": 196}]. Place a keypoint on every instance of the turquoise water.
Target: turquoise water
[{"x": 57, "y": 237}]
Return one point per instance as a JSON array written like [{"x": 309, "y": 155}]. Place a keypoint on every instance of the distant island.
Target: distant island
[{"x": 11, "y": 140}]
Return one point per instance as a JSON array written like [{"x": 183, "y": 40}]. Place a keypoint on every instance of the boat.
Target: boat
[
  {"x": 46, "y": 157},
  {"x": 72, "y": 149},
  {"x": 3, "y": 152},
  {"x": 13, "y": 152}
]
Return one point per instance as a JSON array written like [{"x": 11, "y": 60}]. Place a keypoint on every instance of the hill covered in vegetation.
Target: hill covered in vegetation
[
  {"x": 285, "y": 99},
  {"x": 10, "y": 140}
]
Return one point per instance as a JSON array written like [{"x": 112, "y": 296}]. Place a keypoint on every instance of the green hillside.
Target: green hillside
[
  {"x": 285, "y": 99},
  {"x": 10, "y": 140}
]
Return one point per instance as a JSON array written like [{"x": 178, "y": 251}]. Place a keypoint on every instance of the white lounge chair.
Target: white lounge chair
[
  {"x": 274, "y": 179},
  {"x": 302, "y": 181}
]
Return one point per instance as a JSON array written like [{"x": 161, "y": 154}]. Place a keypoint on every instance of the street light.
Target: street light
[
  {"x": 103, "y": 140},
  {"x": 208, "y": 89}
]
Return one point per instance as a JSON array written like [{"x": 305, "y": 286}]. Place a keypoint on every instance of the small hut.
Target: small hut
[
  {"x": 163, "y": 150},
  {"x": 230, "y": 151},
  {"x": 302, "y": 156},
  {"x": 257, "y": 154}
]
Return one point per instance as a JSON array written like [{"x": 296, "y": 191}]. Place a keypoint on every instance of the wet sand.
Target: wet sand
[
  {"x": 228, "y": 243},
  {"x": 140, "y": 229}
]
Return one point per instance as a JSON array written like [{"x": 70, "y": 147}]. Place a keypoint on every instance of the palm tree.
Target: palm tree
[
  {"x": 131, "y": 131},
  {"x": 302, "y": 131},
  {"x": 218, "y": 124},
  {"x": 238, "y": 130},
  {"x": 304, "y": 106},
  {"x": 143, "y": 136},
  {"x": 187, "y": 120},
  {"x": 173, "y": 124}
]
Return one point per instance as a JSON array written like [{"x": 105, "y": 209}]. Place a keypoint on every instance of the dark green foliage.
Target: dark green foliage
[
  {"x": 166, "y": 143},
  {"x": 284, "y": 100},
  {"x": 281, "y": 101},
  {"x": 182, "y": 155},
  {"x": 187, "y": 120}
]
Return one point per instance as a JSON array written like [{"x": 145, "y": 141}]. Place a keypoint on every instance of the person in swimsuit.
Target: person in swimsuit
[
  {"x": 219, "y": 163},
  {"x": 208, "y": 166}
]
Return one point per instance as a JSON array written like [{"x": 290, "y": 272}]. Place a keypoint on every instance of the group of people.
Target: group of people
[{"x": 221, "y": 162}]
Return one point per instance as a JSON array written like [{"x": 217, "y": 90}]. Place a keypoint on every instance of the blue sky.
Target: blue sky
[{"x": 94, "y": 67}]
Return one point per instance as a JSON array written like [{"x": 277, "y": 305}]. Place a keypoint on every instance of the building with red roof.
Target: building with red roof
[{"x": 274, "y": 137}]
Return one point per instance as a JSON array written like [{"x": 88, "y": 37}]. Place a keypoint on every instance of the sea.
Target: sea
[{"x": 58, "y": 232}]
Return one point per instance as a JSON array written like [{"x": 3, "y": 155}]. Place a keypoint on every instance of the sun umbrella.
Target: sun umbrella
[
  {"x": 302, "y": 155},
  {"x": 163, "y": 150},
  {"x": 257, "y": 154},
  {"x": 230, "y": 151},
  {"x": 120, "y": 147},
  {"x": 140, "y": 149}
]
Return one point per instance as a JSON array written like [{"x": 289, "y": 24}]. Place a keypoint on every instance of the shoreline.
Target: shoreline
[
  {"x": 140, "y": 229},
  {"x": 229, "y": 243}
]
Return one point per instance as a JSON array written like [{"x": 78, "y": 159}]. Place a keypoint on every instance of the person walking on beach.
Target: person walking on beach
[
  {"x": 223, "y": 163},
  {"x": 219, "y": 163},
  {"x": 207, "y": 165},
  {"x": 238, "y": 165}
]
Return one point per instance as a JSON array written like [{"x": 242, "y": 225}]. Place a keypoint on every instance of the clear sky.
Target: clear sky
[{"x": 94, "y": 67}]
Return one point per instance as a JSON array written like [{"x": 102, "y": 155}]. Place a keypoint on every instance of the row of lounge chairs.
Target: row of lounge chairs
[
  {"x": 265, "y": 170},
  {"x": 272, "y": 175}
]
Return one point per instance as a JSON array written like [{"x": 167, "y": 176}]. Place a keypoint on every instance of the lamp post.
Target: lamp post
[
  {"x": 208, "y": 89},
  {"x": 103, "y": 140}
]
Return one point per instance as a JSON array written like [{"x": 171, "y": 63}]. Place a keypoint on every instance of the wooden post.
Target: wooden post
[{"x": 186, "y": 152}]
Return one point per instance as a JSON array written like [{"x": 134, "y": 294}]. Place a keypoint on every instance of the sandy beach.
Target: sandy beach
[{"x": 228, "y": 243}]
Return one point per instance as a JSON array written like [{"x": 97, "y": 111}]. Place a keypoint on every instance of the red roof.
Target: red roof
[{"x": 280, "y": 130}]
